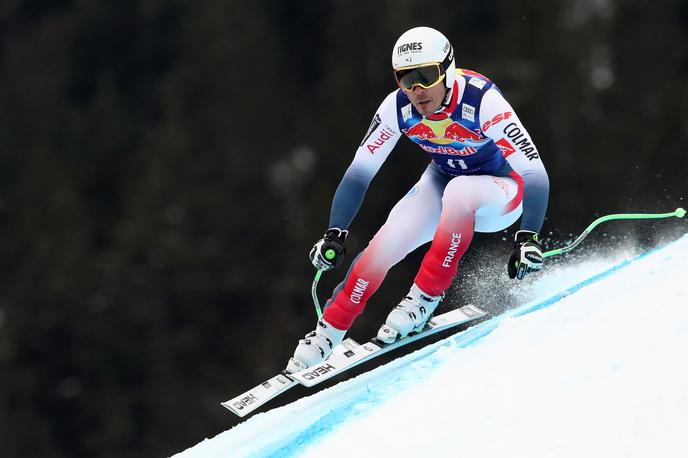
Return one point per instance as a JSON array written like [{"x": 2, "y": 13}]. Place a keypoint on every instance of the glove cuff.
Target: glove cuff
[
  {"x": 524, "y": 236},
  {"x": 335, "y": 232}
]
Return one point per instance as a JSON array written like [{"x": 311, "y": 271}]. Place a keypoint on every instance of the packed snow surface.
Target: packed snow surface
[{"x": 596, "y": 365}]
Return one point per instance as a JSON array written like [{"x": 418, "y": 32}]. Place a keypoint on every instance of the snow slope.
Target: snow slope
[{"x": 595, "y": 366}]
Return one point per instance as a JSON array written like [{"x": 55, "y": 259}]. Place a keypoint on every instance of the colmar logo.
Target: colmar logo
[
  {"x": 359, "y": 288},
  {"x": 410, "y": 47},
  {"x": 523, "y": 143}
]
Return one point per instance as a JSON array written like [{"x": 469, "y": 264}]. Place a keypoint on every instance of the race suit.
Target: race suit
[{"x": 485, "y": 172}]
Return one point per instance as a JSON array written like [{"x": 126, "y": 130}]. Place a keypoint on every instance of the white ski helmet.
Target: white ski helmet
[{"x": 425, "y": 45}]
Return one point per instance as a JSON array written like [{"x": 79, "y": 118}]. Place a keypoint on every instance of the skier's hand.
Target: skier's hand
[
  {"x": 329, "y": 251},
  {"x": 526, "y": 256}
]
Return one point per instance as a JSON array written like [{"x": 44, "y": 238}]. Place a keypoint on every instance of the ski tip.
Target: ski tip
[
  {"x": 227, "y": 405},
  {"x": 475, "y": 311},
  {"x": 680, "y": 212}
]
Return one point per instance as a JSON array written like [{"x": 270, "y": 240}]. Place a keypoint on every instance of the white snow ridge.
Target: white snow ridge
[{"x": 595, "y": 366}]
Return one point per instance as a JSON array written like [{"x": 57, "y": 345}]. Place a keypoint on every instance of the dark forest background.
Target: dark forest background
[{"x": 165, "y": 166}]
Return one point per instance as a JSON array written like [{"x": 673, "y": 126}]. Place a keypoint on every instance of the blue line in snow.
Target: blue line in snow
[{"x": 369, "y": 397}]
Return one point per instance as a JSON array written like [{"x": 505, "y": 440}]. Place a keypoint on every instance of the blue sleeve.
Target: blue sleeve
[
  {"x": 535, "y": 197},
  {"x": 504, "y": 126},
  {"x": 348, "y": 197},
  {"x": 376, "y": 146}
]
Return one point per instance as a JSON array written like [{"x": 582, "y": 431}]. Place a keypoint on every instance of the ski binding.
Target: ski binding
[{"x": 345, "y": 356}]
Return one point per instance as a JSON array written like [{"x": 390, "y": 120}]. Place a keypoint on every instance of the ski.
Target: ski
[
  {"x": 345, "y": 356},
  {"x": 351, "y": 353},
  {"x": 249, "y": 401}
]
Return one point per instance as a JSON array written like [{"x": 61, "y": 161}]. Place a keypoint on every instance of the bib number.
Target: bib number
[{"x": 453, "y": 163}]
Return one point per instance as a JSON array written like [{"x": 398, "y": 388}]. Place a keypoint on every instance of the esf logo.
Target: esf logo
[{"x": 409, "y": 47}]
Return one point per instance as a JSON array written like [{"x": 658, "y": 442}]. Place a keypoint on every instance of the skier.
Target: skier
[{"x": 485, "y": 172}]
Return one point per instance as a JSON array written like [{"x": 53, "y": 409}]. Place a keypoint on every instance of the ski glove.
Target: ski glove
[
  {"x": 526, "y": 256},
  {"x": 329, "y": 251}
]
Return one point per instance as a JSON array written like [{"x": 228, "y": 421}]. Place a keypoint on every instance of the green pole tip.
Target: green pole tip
[
  {"x": 680, "y": 212},
  {"x": 330, "y": 254}
]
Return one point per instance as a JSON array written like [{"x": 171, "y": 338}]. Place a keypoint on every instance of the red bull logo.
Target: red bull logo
[
  {"x": 442, "y": 132},
  {"x": 459, "y": 133},
  {"x": 448, "y": 150},
  {"x": 421, "y": 131}
]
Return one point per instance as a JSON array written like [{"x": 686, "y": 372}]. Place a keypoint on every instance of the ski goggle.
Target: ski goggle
[{"x": 425, "y": 76}]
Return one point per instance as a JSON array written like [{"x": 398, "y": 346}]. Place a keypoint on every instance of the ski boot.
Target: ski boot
[
  {"x": 316, "y": 347},
  {"x": 411, "y": 315}
]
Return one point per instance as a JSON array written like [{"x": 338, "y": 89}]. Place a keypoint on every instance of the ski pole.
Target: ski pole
[
  {"x": 314, "y": 293},
  {"x": 679, "y": 213},
  {"x": 329, "y": 255}
]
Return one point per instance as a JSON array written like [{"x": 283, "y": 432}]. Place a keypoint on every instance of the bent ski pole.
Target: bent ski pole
[
  {"x": 679, "y": 213},
  {"x": 329, "y": 254},
  {"x": 314, "y": 293}
]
